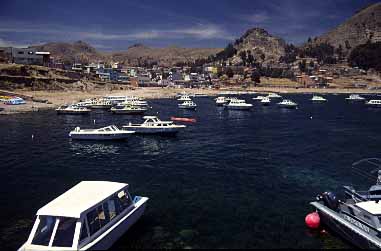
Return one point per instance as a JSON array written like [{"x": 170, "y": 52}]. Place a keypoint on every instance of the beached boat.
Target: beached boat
[
  {"x": 101, "y": 104},
  {"x": 92, "y": 215},
  {"x": 238, "y": 104},
  {"x": 355, "y": 98},
  {"x": 72, "y": 109},
  {"x": 374, "y": 103},
  {"x": 357, "y": 218},
  {"x": 274, "y": 96},
  {"x": 220, "y": 101},
  {"x": 153, "y": 125},
  {"x": 106, "y": 133},
  {"x": 190, "y": 105},
  {"x": 286, "y": 103},
  {"x": 266, "y": 101},
  {"x": 318, "y": 99},
  {"x": 128, "y": 109},
  {"x": 184, "y": 98},
  {"x": 15, "y": 101},
  {"x": 259, "y": 98}
]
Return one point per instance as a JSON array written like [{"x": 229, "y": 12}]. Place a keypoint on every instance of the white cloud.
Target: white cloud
[{"x": 256, "y": 18}]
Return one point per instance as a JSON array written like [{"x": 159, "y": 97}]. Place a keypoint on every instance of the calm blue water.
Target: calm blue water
[{"x": 236, "y": 179}]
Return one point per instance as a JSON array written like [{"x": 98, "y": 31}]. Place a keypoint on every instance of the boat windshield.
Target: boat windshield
[{"x": 63, "y": 236}]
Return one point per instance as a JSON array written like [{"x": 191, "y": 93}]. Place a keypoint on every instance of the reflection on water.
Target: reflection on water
[
  {"x": 93, "y": 149},
  {"x": 238, "y": 114}
]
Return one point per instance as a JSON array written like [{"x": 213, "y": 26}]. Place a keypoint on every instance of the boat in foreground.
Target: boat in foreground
[
  {"x": 153, "y": 125},
  {"x": 238, "y": 104},
  {"x": 374, "y": 103},
  {"x": 106, "y": 133},
  {"x": 72, "y": 109},
  {"x": 92, "y": 215},
  {"x": 288, "y": 104},
  {"x": 357, "y": 218},
  {"x": 129, "y": 109}
]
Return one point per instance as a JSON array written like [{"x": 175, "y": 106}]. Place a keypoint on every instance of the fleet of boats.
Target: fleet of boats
[{"x": 92, "y": 215}]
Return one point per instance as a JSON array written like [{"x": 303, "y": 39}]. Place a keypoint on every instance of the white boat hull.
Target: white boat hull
[
  {"x": 288, "y": 106},
  {"x": 72, "y": 112},
  {"x": 147, "y": 130},
  {"x": 109, "y": 136},
  {"x": 101, "y": 106},
  {"x": 132, "y": 112},
  {"x": 187, "y": 107}
]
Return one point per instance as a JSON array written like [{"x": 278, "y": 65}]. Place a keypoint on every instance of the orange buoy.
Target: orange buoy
[{"x": 313, "y": 220}]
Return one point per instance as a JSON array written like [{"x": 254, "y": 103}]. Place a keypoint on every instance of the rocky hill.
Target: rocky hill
[
  {"x": 364, "y": 26},
  {"x": 263, "y": 46}
]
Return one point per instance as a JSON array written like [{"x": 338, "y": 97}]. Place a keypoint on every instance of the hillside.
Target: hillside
[{"x": 364, "y": 26}]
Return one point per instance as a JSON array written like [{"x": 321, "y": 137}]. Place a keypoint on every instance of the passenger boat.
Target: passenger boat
[
  {"x": 286, "y": 103},
  {"x": 72, "y": 109},
  {"x": 266, "y": 101},
  {"x": 184, "y": 98},
  {"x": 92, "y": 215},
  {"x": 358, "y": 217},
  {"x": 355, "y": 97},
  {"x": 318, "y": 99},
  {"x": 129, "y": 109},
  {"x": 106, "y": 133},
  {"x": 220, "y": 101},
  {"x": 238, "y": 104},
  {"x": 101, "y": 104},
  {"x": 190, "y": 105},
  {"x": 259, "y": 98},
  {"x": 274, "y": 96},
  {"x": 86, "y": 103},
  {"x": 120, "y": 99},
  {"x": 153, "y": 125},
  {"x": 374, "y": 103}
]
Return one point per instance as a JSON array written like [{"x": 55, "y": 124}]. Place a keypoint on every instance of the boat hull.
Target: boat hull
[
  {"x": 288, "y": 106},
  {"x": 130, "y": 112},
  {"x": 188, "y": 107},
  {"x": 99, "y": 136},
  {"x": 145, "y": 130},
  {"x": 101, "y": 106},
  {"x": 62, "y": 112},
  {"x": 242, "y": 108},
  {"x": 373, "y": 105},
  {"x": 335, "y": 222},
  {"x": 107, "y": 241}
]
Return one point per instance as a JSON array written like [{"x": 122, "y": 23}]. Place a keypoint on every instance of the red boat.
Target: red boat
[{"x": 190, "y": 120}]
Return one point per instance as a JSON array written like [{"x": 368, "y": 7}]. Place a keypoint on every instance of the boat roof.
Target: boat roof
[
  {"x": 150, "y": 117},
  {"x": 370, "y": 206},
  {"x": 81, "y": 197}
]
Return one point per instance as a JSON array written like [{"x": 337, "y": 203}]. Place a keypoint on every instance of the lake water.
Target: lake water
[{"x": 235, "y": 179}]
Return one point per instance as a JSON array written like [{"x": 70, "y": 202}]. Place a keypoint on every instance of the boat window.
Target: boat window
[
  {"x": 65, "y": 232},
  {"x": 44, "y": 230},
  {"x": 97, "y": 219},
  {"x": 84, "y": 233},
  {"x": 124, "y": 200},
  {"x": 112, "y": 209}
]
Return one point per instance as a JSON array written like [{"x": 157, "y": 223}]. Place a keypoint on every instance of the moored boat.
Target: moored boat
[
  {"x": 153, "y": 125},
  {"x": 286, "y": 103},
  {"x": 189, "y": 105},
  {"x": 220, "y": 101},
  {"x": 238, "y": 104},
  {"x": 266, "y": 101},
  {"x": 274, "y": 96},
  {"x": 72, "y": 109},
  {"x": 101, "y": 104},
  {"x": 259, "y": 98},
  {"x": 128, "y": 109},
  {"x": 92, "y": 215},
  {"x": 374, "y": 103},
  {"x": 184, "y": 98},
  {"x": 106, "y": 133},
  {"x": 318, "y": 99},
  {"x": 355, "y": 98}
]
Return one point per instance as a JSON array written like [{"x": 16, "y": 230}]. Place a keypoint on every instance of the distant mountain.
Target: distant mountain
[
  {"x": 79, "y": 51},
  {"x": 364, "y": 26}
]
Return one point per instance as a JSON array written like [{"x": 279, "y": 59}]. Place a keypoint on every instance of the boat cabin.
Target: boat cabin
[
  {"x": 80, "y": 217},
  {"x": 155, "y": 121}
]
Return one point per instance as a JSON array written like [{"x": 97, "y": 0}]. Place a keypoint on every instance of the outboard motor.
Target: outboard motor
[{"x": 330, "y": 200}]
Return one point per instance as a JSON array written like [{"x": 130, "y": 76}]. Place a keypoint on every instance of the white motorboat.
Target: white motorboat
[
  {"x": 259, "y": 98},
  {"x": 318, "y": 99},
  {"x": 133, "y": 103},
  {"x": 286, "y": 103},
  {"x": 274, "y": 96},
  {"x": 190, "y": 105},
  {"x": 101, "y": 104},
  {"x": 129, "y": 109},
  {"x": 220, "y": 101},
  {"x": 106, "y": 133},
  {"x": 355, "y": 97},
  {"x": 92, "y": 215},
  {"x": 86, "y": 103},
  {"x": 266, "y": 101},
  {"x": 72, "y": 109},
  {"x": 153, "y": 125},
  {"x": 374, "y": 103},
  {"x": 238, "y": 104},
  {"x": 184, "y": 98},
  {"x": 120, "y": 99}
]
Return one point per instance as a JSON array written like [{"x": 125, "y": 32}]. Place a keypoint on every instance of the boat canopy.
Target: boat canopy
[
  {"x": 373, "y": 207},
  {"x": 80, "y": 198}
]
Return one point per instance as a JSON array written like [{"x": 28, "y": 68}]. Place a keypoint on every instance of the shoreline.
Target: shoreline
[{"x": 57, "y": 98}]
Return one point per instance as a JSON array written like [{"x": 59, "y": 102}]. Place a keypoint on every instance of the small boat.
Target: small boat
[
  {"x": 141, "y": 103},
  {"x": 220, "y": 101},
  {"x": 238, "y": 104},
  {"x": 266, "y": 101},
  {"x": 286, "y": 103},
  {"x": 106, "y": 133},
  {"x": 15, "y": 101},
  {"x": 92, "y": 215},
  {"x": 274, "y": 96},
  {"x": 129, "y": 109},
  {"x": 153, "y": 125},
  {"x": 72, "y": 109},
  {"x": 190, "y": 105},
  {"x": 318, "y": 99},
  {"x": 184, "y": 98},
  {"x": 190, "y": 120},
  {"x": 355, "y": 97},
  {"x": 101, "y": 104},
  {"x": 374, "y": 103},
  {"x": 357, "y": 217},
  {"x": 259, "y": 98}
]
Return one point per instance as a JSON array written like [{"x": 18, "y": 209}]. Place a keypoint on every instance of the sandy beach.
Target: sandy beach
[{"x": 57, "y": 98}]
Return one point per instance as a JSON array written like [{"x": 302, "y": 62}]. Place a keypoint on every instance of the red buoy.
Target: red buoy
[{"x": 313, "y": 220}]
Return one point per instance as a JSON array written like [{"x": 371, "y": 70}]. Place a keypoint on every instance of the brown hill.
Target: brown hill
[{"x": 364, "y": 26}]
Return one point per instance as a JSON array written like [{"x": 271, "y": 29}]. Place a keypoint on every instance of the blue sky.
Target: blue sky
[{"x": 116, "y": 25}]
